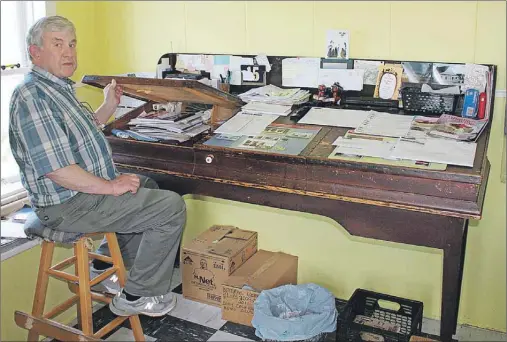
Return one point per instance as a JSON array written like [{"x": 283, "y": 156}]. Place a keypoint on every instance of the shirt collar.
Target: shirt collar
[{"x": 47, "y": 75}]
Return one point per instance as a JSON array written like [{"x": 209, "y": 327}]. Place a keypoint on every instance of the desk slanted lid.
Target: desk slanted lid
[{"x": 167, "y": 90}]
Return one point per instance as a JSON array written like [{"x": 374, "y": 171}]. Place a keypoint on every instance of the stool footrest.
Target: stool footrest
[
  {"x": 110, "y": 326},
  {"x": 62, "y": 307},
  {"x": 63, "y": 275},
  {"x": 50, "y": 328},
  {"x": 106, "y": 274},
  {"x": 101, "y": 257},
  {"x": 63, "y": 264}
]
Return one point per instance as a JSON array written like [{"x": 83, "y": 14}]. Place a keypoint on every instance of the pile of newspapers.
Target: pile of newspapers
[
  {"x": 179, "y": 126},
  {"x": 274, "y": 95}
]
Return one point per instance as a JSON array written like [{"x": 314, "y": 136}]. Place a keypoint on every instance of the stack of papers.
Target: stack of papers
[
  {"x": 436, "y": 151},
  {"x": 171, "y": 127},
  {"x": 427, "y": 149},
  {"x": 275, "y": 95},
  {"x": 266, "y": 108},
  {"x": 246, "y": 124}
]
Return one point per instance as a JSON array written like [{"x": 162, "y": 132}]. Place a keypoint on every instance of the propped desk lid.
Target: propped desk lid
[
  {"x": 167, "y": 90},
  {"x": 224, "y": 104}
]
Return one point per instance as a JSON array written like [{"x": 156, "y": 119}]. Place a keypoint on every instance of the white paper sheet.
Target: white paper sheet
[
  {"x": 384, "y": 124},
  {"x": 236, "y": 77},
  {"x": 11, "y": 229},
  {"x": 266, "y": 108},
  {"x": 364, "y": 147},
  {"x": 263, "y": 60},
  {"x": 300, "y": 72},
  {"x": 334, "y": 117},
  {"x": 370, "y": 70},
  {"x": 246, "y": 124},
  {"x": 437, "y": 151},
  {"x": 235, "y": 63},
  {"x": 349, "y": 79}
]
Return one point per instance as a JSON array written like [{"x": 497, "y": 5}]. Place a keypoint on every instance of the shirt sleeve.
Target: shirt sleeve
[{"x": 43, "y": 136}]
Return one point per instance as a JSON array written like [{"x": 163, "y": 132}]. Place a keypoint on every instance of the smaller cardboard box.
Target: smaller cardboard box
[
  {"x": 209, "y": 259},
  {"x": 264, "y": 271}
]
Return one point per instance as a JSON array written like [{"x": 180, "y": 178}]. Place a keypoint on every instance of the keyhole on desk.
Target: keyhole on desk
[{"x": 209, "y": 158}]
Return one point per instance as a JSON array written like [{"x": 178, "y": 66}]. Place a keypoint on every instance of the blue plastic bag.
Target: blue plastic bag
[{"x": 294, "y": 313}]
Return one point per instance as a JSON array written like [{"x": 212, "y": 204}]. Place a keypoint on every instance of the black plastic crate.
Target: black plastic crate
[
  {"x": 428, "y": 103},
  {"x": 366, "y": 303}
]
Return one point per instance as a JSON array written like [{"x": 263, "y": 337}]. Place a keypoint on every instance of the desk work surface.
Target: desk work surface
[{"x": 457, "y": 191}]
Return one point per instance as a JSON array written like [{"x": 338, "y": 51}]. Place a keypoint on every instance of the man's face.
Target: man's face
[{"x": 57, "y": 54}]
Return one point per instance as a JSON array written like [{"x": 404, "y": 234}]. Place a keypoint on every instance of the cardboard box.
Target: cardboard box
[
  {"x": 209, "y": 259},
  {"x": 264, "y": 271}
]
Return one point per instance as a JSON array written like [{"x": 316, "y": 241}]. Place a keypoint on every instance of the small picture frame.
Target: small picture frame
[{"x": 388, "y": 82}]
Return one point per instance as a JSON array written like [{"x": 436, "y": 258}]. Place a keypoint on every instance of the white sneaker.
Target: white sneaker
[
  {"x": 110, "y": 285},
  {"x": 150, "y": 306}
]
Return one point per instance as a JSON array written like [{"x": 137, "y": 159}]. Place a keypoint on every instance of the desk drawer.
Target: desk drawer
[
  {"x": 376, "y": 180},
  {"x": 248, "y": 164}
]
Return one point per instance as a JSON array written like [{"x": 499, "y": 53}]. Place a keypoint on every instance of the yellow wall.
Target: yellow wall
[
  {"x": 133, "y": 35},
  {"x": 19, "y": 276},
  {"x": 117, "y": 37}
]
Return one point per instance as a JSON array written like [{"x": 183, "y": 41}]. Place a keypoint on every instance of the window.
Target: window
[{"x": 16, "y": 19}]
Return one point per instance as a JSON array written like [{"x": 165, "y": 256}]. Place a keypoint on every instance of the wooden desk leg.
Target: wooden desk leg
[{"x": 454, "y": 257}]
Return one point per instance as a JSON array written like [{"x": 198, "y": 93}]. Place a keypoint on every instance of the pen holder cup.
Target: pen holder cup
[{"x": 224, "y": 87}]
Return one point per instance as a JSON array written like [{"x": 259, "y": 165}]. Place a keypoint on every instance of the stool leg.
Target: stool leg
[
  {"x": 114, "y": 249},
  {"x": 85, "y": 299},
  {"x": 41, "y": 287}
]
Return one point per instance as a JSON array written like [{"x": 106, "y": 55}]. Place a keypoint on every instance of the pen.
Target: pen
[{"x": 222, "y": 78}]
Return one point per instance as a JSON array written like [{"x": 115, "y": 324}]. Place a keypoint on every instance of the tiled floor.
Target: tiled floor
[{"x": 193, "y": 321}]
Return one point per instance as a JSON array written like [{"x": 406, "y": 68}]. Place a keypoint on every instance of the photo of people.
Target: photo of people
[{"x": 337, "y": 44}]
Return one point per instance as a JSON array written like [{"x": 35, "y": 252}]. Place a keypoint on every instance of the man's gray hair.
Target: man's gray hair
[{"x": 53, "y": 23}]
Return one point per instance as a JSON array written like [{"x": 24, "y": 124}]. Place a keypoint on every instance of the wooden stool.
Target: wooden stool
[{"x": 39, "y": 323}]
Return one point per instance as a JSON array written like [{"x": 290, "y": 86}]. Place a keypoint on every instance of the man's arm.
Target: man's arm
[
  {"x": 104, "y": 112},
  {"x": 73, "y": 177},
  {"x": 112, "y": 95}
]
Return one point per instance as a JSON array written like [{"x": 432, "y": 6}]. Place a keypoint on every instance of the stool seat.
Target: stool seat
[{"x": 34, "y": 228}]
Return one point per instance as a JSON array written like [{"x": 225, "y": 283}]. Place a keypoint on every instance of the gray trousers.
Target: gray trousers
[{"x": 149, "y": 225}]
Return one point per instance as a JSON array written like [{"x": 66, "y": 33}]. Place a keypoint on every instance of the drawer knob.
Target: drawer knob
[{"x": 209, "y": 158}]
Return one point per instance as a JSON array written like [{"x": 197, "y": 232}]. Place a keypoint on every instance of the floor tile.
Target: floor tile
[
  {"x": 124, "y": 334},
  {"x": 199, "y": 313},
  {"x": 169, "y": 328},
  {"x": 240, "y": 330},
  {"x": 178, "y": 289},
  {"x": 222, "y": 336}
]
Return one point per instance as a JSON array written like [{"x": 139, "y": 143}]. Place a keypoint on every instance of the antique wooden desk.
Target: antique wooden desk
[{"x": 404, "y": 205}]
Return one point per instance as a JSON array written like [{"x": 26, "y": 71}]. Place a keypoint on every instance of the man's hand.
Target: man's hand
[
  {"x": 125, "y": 183},
  {"x": 112, "y": 95}
]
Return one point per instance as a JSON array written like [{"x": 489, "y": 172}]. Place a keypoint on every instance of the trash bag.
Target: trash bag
[{"x": 294, "y": 313}]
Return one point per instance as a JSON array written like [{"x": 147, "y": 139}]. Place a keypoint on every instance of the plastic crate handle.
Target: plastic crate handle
[{"x": 388, "y": 305}]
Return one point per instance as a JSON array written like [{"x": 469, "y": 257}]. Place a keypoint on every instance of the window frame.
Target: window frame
[{"x": 14, "y": 191}]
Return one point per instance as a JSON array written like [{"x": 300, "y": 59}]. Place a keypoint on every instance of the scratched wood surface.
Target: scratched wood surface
[
  {"x": 167, "y": 90},
  {"x": 457, "y": 191}
]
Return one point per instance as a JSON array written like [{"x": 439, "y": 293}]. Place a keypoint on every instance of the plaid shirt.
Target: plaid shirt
[{"x": 50, "y": 129}]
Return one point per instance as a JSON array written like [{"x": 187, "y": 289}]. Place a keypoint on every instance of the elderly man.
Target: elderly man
[{"x": 67, "y": 169}]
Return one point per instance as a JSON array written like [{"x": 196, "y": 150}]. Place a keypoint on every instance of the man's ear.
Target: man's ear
[{"x": 34, "y": 51}]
